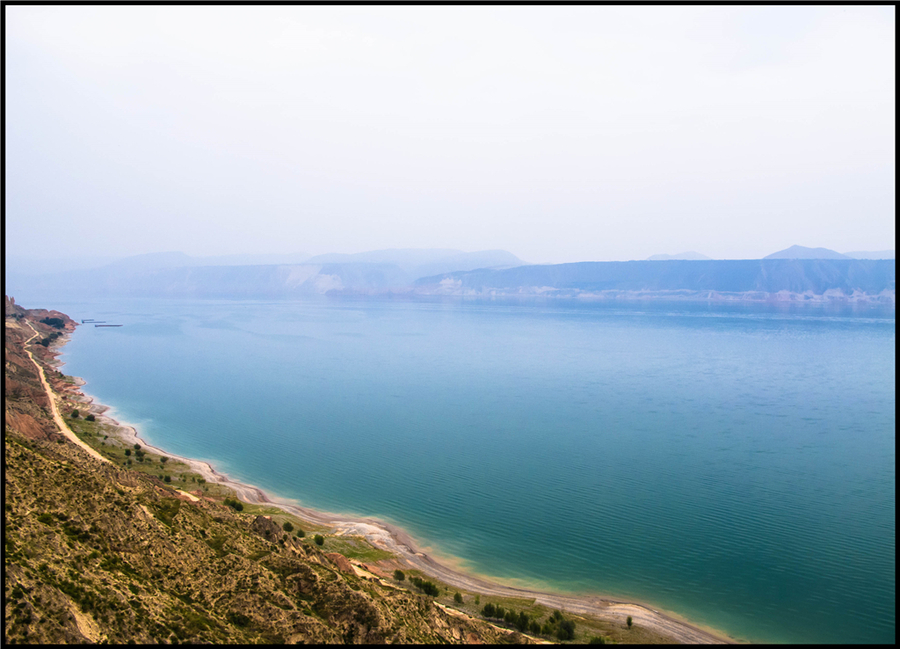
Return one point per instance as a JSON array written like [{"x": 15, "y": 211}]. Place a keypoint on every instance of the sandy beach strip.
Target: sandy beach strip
[{"x": 397, "y": 541}]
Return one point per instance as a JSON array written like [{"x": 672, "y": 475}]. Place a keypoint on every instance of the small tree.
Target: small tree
[
  {"x": 597, "y": 639},
  {"x": 398, "y": 575},
  {"x": 137, "y": 447},
  {"x": 457, "y": 598},
  {"x": 90, "y": 418},
  {"x": 235, "y": 504},
  {"x": 287, "y": 527},
  {"x": 163, "y": 460},
  {"x": 628, "y": 621},
  {"x": 75, "y": 414},
  {"x": 168, "y": 478},
  {"x": 566, "y": 630},
  {"x": 319, "y": 539},
  {"x": 477, "y": 600},
  {"x": 300, "y": 533},
  {"x": 523, "y": 621},
  {"x": 127, "y": 452}
]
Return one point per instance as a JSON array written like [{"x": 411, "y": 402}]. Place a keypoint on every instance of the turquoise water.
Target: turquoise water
[{"x": 735, "y": 465}]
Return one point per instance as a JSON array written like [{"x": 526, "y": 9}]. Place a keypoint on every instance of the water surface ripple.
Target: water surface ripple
[{"x": 735, "y": 465}]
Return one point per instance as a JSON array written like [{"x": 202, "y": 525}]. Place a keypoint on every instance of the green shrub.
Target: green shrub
[
  {"x": 427, "y": 587},
  {"x": 137, "y": 447},
  {"x": 628, "y": 621},
  {"x": 235, "y": 504},
  {"x": 523, "y": 621},
  {"x": 54, "y": 322},
  {"x": 566, "y": 630},
  {"x": 90, "y": 418},
  {"x": 457, "y": 598},
  {"x": 75, "y": 414},
  {"x": 287, "y": 527},
  {"x": 300, "y": 533},
  {"x": 597, "y": 639},
  {"x": 127, "y": 452},
  {"x": 168, "y": 478},
  {"x": 398, "y": 575},
  {"x": 319, "y": 539}
]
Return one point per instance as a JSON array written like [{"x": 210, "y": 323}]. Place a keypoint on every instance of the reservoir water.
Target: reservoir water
[{"x": 732, "y": 464}]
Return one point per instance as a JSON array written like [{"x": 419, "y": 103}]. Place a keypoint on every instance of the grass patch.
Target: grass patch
[
  {"x": 355, "y": 548},
  {"x": 280, "y": 517}
]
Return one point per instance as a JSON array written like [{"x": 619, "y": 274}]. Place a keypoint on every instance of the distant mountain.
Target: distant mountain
[
  {"x": 801, "y": 252},
  {"x": 690, "y": 255},
  {"x": 759, "y": 279},
  {"x": 149, "y": 261},
  {"x": 175, "y": 274},
  {"x": 877, "y": 254},
  {"x": 751, "y": 279}
]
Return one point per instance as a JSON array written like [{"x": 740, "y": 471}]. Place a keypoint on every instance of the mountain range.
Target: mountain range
[{"x": 796, "y": 273}]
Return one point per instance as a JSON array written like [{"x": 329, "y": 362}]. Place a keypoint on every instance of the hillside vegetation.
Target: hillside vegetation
[{"x": 99, "y": 552}]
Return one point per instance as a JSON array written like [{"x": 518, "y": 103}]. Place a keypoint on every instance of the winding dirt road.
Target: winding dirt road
[{"x": 60, "y": 423}]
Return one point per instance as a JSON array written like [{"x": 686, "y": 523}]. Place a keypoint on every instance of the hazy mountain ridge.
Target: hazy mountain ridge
[
  {"x": 752, "y": 279},
  {"x": 802, "y": 252},
  {"x": 450, "y": 272},
  {"x": 175, "y": 274}
]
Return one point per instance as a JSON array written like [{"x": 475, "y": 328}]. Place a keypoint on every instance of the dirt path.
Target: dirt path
[{"x": 60, "y": 423}]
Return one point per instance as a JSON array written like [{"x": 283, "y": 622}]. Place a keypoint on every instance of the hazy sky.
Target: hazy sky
[{"x": 557, "y": 133}]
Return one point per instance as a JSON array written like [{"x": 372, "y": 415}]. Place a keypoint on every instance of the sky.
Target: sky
[{"x": 579, "y": 133}]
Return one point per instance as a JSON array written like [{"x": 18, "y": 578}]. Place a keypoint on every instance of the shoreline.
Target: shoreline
[{"x": 394, "y": 539}]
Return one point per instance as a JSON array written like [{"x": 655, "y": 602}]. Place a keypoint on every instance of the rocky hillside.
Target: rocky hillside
[{"x": 99, "y": 552}]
